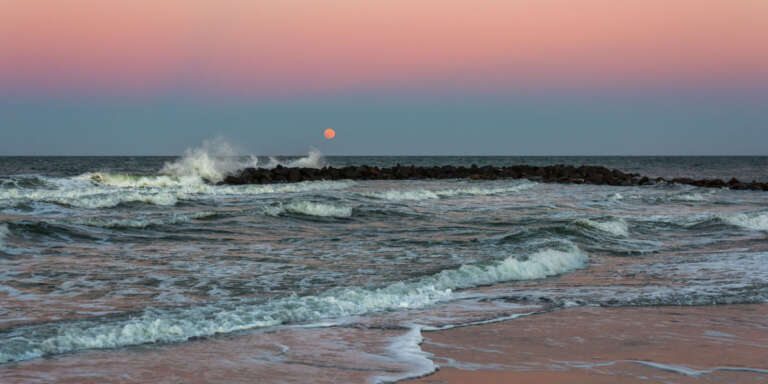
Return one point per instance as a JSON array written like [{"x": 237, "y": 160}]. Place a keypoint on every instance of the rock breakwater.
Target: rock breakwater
[{"x": 547, "y": 174}]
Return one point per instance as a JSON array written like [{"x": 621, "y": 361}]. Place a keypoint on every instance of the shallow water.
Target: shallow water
[{"x": 106, "y": 260}]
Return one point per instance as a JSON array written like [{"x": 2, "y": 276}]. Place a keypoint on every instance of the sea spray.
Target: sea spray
[
  {"x": 212, "y": 161},
  {"x": 314, "y": 159},
  {"x": 208, "y": 162}
]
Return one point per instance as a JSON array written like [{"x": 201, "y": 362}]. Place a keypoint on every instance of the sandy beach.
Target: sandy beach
[{"x": 712, "y": 344}]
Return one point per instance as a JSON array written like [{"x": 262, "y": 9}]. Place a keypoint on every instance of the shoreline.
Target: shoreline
[{"x": 716, "y": 343}]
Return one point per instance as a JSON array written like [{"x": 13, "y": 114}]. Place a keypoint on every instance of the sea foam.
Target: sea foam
[
  {"x": 87, "y": 196},
  {"x": 318, "y": 209},
  {"x": 614, "y": 227},
  {"x": 209, "y": 163},
  {"x": 426, "y": 194},
  {"x": 216, "y": 158},
  {"x": 691, "y": 197},
  {"x": 173, "y": 325},
  {"x": 140, "y": 223},
  {"x": 84, "y": 192},
  {"x": 406, "y": 348},
  {"x": 757, "y": 221}
]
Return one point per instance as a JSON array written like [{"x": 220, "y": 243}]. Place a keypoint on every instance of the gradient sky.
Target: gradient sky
[{"x": 592, "y": 77}]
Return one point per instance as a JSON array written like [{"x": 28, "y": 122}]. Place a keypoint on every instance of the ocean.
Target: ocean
[{"x": 133, "y": 269}]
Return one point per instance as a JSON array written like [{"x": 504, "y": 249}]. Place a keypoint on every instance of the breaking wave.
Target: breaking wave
[
  {"x": 426, "y": 194},
  {"x": 614, "y": 227},
  {"x": 174, "y": 325},
  {"x": 206, "y": 164},
  {"x": 141, "y": 223},
  {"x": 691, "y": 197},
  {"x": 216, "y": 158},
  {"x": 90, "y": 197},
  {"x": 757, "y": 221},
  {"x": 82, "y": 193},
  {"x": 309, "y": 208}
]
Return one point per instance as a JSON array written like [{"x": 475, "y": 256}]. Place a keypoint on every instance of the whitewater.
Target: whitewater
[{"x": 146, "y": 259}]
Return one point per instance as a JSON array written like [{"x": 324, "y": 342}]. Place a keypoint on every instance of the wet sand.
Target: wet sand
[{"x": 717, "y": 344}]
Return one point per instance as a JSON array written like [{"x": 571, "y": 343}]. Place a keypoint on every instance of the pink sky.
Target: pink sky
[{"x": 295, "y": 46}]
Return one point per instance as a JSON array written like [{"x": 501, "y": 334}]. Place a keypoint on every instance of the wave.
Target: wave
[
  {"x": 139, "y": 181},
  {"x": 314, "y": 159},
  {"x": 212, "y": 161},
  {"x": 82, "y": 193},
  {"x": 206, "y": 164},
  {"x": 309, "y": 208},
  {"x": 617, "y": 227},
  {"x": 141, "y": 223},
  {"x": 175, "y": 325},
  {"x": 690, "y": 197},
  {"x": 426, "y": 194},
  {"x": 757, "y": 221},
  {"x": 22, "y": 181},
  {"x": 4, "y": 232},
  {"x": 86, "y": 197}
]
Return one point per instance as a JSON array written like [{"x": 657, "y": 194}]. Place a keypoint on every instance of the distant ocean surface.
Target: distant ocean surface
[
  {"x": 123, "y": 269},
  {"x": 745, "y": 168}
]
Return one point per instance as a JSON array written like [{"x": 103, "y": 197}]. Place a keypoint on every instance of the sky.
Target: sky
[{"x": 392, "y": 77}]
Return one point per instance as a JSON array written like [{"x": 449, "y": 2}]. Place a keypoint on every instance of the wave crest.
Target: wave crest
[
  {"x": 90, "y": 197},
  {"x": 174, "y": 325},
  {"x": 426, "y": 194},
  {"x": 757, "y": 221},
  {"x": 141, "y": 223},
  {"x": 4, "y": 232},
  {"x": 212, "y": 161},
  {"x": 309, "y": 208},
  {"x": 80, "y": 192},
  {"x": 614, "y": 227}
]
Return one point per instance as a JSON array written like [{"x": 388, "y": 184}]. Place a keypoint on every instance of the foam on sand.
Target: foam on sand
[
  {"x": 687, "y": 371},
  {"x": 180, "y": 324},
  {"x": 406, "y": 348}
]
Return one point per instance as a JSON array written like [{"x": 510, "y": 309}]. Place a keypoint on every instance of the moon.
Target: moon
[{"x": 329, "y": 133}]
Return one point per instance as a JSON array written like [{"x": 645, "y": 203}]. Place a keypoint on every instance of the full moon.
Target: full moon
[{"x": 329, "y": 133}]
